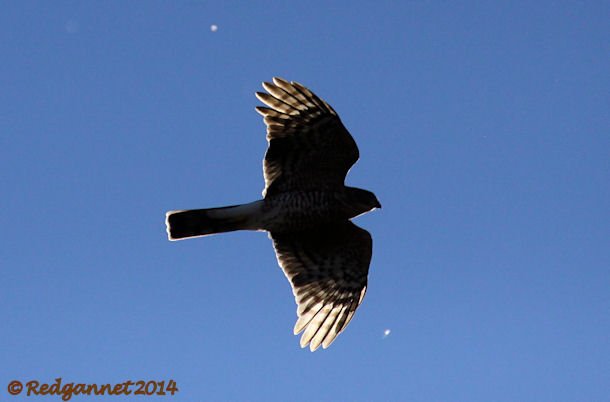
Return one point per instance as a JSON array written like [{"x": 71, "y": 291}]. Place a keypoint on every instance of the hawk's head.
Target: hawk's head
[{"x": 360, "y": 201}]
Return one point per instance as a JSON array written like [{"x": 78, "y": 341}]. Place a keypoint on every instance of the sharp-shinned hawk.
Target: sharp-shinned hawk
[{"x": 306, "y": 208}]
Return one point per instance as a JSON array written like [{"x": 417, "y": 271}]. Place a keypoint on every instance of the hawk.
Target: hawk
[{"x": 306, "y": 208}]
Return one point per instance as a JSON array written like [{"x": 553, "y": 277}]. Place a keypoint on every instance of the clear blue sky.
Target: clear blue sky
[{"x": 484, "y": 129}]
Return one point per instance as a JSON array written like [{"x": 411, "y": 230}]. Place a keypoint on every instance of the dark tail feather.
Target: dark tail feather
[{"x": 202, "y": 222}]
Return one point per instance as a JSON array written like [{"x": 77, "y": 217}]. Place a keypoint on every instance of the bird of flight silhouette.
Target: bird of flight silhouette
[{"x": 306, "y": 208}]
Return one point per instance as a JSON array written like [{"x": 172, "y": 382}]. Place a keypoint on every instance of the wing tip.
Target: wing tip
[
  {"x": 262, "y": 110},
  {"x": 261, "y": 96},
  {"x": 279, "y": 80}
]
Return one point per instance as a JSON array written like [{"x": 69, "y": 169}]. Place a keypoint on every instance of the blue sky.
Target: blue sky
[{"x": 483, "y": 127}]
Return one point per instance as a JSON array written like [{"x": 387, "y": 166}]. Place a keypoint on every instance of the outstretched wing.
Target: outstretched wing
[
  {"x": 309, "y": 148},
  {"x": 327, "y": 268}
]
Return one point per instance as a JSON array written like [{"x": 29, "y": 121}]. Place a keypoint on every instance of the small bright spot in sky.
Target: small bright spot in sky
[
  {"x": 386, "y": 333},
  {"x": 213, "y": 27}
]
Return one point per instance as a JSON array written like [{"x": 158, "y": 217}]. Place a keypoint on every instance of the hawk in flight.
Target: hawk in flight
[{"x": 306, "y": 208}]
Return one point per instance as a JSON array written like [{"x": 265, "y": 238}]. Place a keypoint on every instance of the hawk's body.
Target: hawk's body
[{"x": 306, "y": 209}]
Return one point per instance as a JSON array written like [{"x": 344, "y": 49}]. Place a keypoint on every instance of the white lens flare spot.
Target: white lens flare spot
[
  {"x": 386, "y": 333},
  {"x": 213, "y": 27}
]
